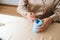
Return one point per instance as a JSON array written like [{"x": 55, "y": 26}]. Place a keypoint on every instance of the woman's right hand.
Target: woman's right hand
[{"x": 31, "y": 16}]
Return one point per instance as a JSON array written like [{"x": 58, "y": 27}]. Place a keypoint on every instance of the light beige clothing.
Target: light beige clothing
[{"x": 47, "y": 8}]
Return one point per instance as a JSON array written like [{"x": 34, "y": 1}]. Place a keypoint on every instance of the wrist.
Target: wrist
[{"x": 50, "y": 19}]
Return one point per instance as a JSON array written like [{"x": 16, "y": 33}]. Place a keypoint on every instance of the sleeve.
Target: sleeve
[
  {"x": 22, "y": 7},
  {"x": 56, "y": 15}
]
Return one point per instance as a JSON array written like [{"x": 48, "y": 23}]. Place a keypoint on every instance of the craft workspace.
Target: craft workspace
[{"x": 29, "y": 19}]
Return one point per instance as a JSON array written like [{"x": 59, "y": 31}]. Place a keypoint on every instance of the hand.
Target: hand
[
  {"x": 45, "y": 24},
  {"x": 31, "y": 16}
]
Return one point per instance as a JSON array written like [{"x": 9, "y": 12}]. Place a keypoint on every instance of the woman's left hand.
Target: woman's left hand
[{"x": 45, "y": 24}]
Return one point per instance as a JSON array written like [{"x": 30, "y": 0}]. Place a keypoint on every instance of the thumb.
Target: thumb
[{"x": 32, "y": 13}]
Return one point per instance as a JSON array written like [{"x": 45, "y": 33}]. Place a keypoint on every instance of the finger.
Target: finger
[
  {"x": 33, "y": 13},
  {"x": 42, "y": 26},
  {"x": 32, "y": 19},
  {"x": 40, "y": 30},
  {"x": 32, "y": 16}
]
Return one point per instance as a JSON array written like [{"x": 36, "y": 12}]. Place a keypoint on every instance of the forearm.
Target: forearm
[
  {"x": 56, "y": 15},
  {"x": 22, "y": 7},
  {"x": 22, "y": 11}
]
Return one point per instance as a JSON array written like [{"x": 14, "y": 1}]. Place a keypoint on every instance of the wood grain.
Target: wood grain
[{"x": 9, "y": 10}]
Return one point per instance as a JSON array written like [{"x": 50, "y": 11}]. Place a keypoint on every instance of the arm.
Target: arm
[
  {"x": 22, "y": 7},
  {"x": 56, "y": 15}
]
